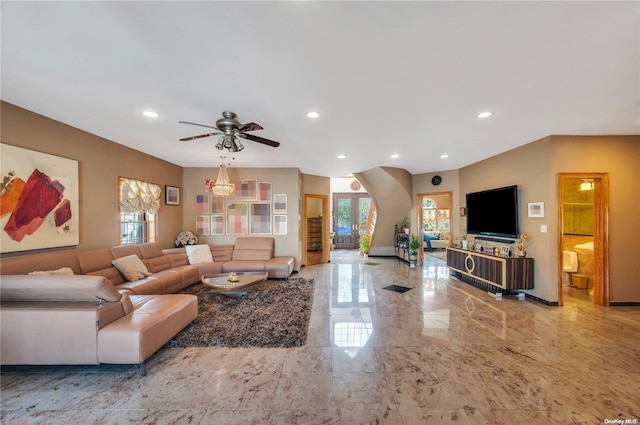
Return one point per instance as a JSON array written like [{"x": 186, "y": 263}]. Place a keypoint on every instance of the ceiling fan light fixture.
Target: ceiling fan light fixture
[
  {"x": 150, "y": 114},
  {"x": 238, "y": 146},
  {"x": 220, "y": 143}
]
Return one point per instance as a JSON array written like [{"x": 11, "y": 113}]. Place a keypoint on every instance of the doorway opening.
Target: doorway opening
[
  {"x": 350, "y": 214},
  {"x": 434, "y": 216},
  {"x": 583, "y": 238},
  {"x": 316, "y": 229}
]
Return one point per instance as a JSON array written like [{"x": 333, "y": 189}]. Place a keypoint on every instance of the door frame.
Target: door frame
[
  {"x": 419, "y": 197},
  {"x": 600, "y": 234},
  {"x": 355, "y": 213},
  {"x": 325, "y": 226}
]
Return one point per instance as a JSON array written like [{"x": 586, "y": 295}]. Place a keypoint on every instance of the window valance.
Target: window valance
[{"x": 139, "y": 197}]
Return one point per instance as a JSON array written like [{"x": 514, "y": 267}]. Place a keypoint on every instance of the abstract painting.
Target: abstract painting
[
  {"x": 217, "y": 225},
  {"x": 279, "y": 224},
  {"x": 264, "y": 191},
  {"x": 260, "y": 219},
  {"x": 39, "y": 200},
  {"x": 237, "y": 219},
  {"x": 280, "y": 203},
  {"x": 202, "y": 204},
  {"x": 217, "y": 204},
  {"x": 244, "y": 190},
  {"x": 202, "y": 225}
]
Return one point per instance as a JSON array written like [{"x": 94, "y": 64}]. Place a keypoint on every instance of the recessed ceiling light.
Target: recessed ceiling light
[
  {"x": 342, "y": 156},
  {"x": 313, "y": 114},
  {"x": 486, "y": 114},
  {"x": 444, "y": 156},
  {"x": 150, "y": 114},
  {"x": 395, "y": 155}
]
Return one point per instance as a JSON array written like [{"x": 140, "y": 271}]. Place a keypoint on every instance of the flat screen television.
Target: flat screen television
[{"x": 493, "y": 212}]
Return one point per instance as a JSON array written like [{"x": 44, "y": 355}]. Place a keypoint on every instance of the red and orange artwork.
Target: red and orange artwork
[{"x": 38, "y": 200}]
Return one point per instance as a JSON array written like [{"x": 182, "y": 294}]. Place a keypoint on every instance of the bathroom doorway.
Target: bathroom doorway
[{"x": 583, "y": 220}]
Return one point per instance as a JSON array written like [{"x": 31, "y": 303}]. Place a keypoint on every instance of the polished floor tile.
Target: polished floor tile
[{"x": 440, "y": 352}]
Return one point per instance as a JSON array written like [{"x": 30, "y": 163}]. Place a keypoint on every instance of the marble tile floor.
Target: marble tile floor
[{"x": 443, "y": 352}]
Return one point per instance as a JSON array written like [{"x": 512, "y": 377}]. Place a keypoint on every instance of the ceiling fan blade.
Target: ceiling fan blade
[
  {"x": 193, "y": 123},
  {"x": 186, "y": 139},
  {"x": 259, "y": 140},
  {"x": 250, "y": 126}
]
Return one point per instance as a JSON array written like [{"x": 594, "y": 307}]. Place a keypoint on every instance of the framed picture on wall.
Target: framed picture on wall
[
  {"x": 217, "y": 224},
  {"x": 237, "y": 218},
  {"x": 244, "y": 190},
  {"x": 217, "y": 204},
  {"x": 279, "y": 224},
  {"x": 202, "y": 204},
  {"x": 260, "y": 219},
  {"x": 202, "y": 225},
  {"x": 536, "y": 209},
  {"x": 264, "y": 191},
  {"x": 171, "y": 195},
  {"x": 280, "y": 203}
]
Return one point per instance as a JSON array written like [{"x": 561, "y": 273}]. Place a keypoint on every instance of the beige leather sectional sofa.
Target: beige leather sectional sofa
[
  {"x": 55, "y": 320},
  {"x": 97, "y": 315},
  {"x": 170, "y": 268}
]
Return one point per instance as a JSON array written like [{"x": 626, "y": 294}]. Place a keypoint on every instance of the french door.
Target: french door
[{"x": 350, "y": 212}]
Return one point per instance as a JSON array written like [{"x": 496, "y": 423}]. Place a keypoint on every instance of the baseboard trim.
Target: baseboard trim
[{"x": 624, "y": 304}]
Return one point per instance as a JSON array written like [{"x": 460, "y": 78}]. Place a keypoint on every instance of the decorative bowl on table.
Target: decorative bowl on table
[{"x": 233, "y": 277}]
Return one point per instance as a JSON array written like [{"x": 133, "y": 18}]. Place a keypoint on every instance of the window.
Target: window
[
  {"x": 137, "y": 228},
  {"x": 433, "y": 218},
  {"x": 139, "y": 203}
]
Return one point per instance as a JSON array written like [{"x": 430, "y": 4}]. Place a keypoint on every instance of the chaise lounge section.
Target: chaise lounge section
[{"x": 71, "y": 320}]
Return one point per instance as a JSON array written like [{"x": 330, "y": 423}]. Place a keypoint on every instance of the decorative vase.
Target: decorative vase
[{"x": 465, "y": 244}]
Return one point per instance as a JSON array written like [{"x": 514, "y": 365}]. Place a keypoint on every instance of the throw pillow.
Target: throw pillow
[
  {"x": 131, "y": 267},
  {"x": 60, "y": 271},
  {"x": 199, "y": 254}
]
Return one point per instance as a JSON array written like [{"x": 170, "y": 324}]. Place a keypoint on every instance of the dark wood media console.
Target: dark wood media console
[{"x": 507, "y": 274}]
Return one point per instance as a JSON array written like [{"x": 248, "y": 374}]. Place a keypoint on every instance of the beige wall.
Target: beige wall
[
  {"x": 527, "y": 167},
  {"x": 534, "y": 168},
  {"x": 619, "y": 156},
  {"x": 100, "y": 163},
  {"x": 450, "y": 183},
  {"x": 283, "y": 180}
]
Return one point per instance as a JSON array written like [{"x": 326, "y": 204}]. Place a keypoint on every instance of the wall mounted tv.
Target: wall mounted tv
[{"x": 493, "y": 212}]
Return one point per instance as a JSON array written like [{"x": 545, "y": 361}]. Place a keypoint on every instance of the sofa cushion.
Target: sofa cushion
[
  {"x": 153, "y": 257},
  {"x": 97, "y": 262},
  {"x": 46, "y": 261},
  {"x": 131, "y": 267},
  {"x": 57, "y": 288},
  {"x": 199, "y": 254},
  {"x": 155, "y": 320},
  {"x": 61, "y": 271}
]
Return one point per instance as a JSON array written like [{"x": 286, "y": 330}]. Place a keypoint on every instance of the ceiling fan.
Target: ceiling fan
[{"x": 230, "y": 130}]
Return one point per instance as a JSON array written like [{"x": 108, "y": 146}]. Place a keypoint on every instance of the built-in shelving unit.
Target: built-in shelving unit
[
  {"x": 494, "y": 272},
  {"x": 314, "y": 234}
]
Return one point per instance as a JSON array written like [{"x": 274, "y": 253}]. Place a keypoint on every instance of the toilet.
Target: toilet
[{"x": 569, "y": 265}]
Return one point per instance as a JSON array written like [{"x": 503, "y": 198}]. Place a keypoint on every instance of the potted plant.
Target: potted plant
[
  {"x": 414, "y": 245},
  {"x": 365, "y": 240},
  {"x": 406, "y": 225}
]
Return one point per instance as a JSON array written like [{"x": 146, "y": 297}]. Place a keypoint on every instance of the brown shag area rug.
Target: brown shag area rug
[{"x": 275, "y": 314}]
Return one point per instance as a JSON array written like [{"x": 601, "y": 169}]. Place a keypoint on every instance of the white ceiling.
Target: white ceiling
[{"x": 404, "y": 78}]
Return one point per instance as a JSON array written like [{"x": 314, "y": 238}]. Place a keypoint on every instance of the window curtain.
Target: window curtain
[{"x": 139, "y": 197}]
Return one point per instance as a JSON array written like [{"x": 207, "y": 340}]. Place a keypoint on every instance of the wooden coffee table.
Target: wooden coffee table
[{"x": 246, "y": 281}]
